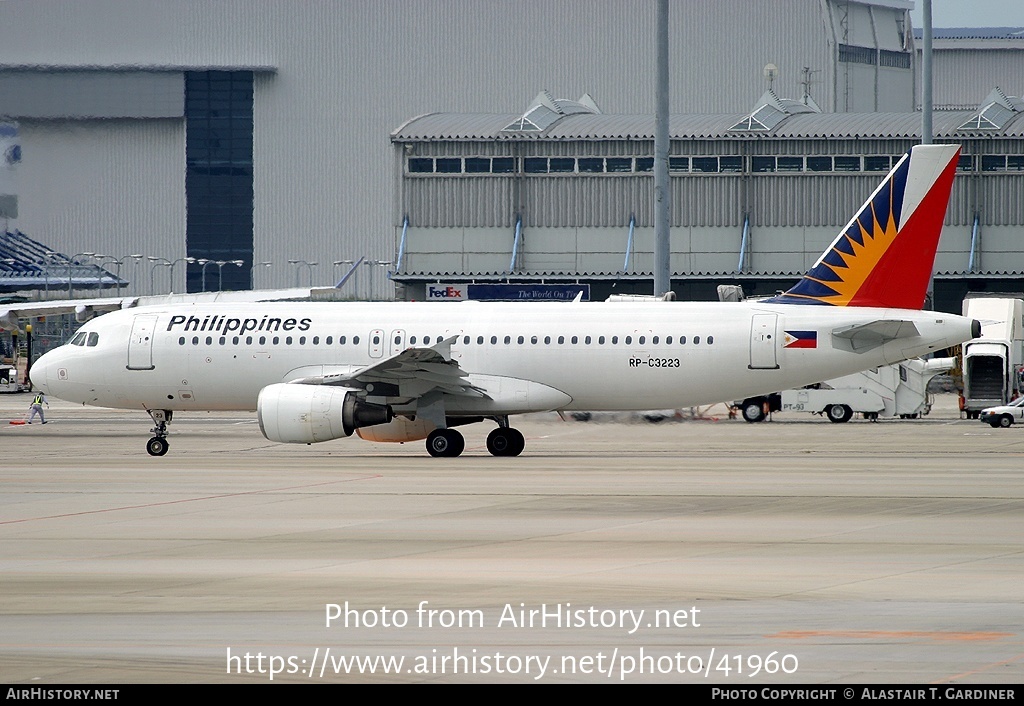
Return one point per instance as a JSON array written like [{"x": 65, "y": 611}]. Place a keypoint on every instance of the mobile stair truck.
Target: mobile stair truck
[
  {"x": 899, "y": 390},
  {"x": 991, "y": 364}
]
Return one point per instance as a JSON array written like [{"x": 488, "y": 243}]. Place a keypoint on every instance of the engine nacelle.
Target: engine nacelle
[
  {"x": 398, "y": 430},
  {"x": 305, "y": 414}
]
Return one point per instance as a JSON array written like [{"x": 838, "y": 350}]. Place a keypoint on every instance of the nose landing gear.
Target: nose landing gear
[{"x": 157, "y": 446}]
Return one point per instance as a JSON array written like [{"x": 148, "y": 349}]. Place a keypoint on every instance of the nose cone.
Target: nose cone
[{"x": 39, "y": 373}]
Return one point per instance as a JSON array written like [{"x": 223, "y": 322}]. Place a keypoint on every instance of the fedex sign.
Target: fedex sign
[{"x": 447, "y": 292}]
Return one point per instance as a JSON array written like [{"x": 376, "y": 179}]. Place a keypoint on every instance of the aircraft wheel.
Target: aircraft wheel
[
  {"x": 1005, "y": 421},
  {"x": 839, "y": 413},
  {"x": 505, "y": 442},
  {"x": 753, "y": 412},
  {"x": 445, "y": 443},
  {"x": 157, "y": 446}
]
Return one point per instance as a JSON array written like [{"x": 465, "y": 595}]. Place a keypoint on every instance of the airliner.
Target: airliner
[{"x": 407, "y": 371}]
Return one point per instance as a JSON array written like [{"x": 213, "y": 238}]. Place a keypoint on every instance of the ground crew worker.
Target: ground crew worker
[{"x": 37, "y": 407}]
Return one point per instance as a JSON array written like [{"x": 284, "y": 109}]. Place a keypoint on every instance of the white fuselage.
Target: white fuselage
[{"x": 583, "y": 356}]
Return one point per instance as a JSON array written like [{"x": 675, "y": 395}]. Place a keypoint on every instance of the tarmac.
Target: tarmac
[{"x": 706, "y": 550}]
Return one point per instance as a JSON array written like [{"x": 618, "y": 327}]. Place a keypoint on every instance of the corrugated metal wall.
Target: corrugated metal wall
[{"x": 349, "y": 72}]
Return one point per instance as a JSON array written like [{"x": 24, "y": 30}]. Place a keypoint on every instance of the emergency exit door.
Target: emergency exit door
[{"x": 763, "y": 341}]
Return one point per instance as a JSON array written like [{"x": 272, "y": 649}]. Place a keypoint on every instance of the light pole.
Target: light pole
[
  {"x": 204, "y": 262},
  {"x": 189, "y": 260},
  {"x": 157, "y": 262},
  {"x": 220, "y": 271},
  {"x": 71, "y": 261},
  {"x": 120, "y": 261},
  {"x": 298, "y": 270},
  {"x": 371, "y": 264},
  {"x": 252, "y": 272}
]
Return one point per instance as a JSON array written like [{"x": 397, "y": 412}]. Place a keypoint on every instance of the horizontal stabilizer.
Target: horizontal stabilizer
[{"x": 865, "y": 337}]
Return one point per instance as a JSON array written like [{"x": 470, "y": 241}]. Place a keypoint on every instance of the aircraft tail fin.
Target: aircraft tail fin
[{"x": 884, "y": 255}]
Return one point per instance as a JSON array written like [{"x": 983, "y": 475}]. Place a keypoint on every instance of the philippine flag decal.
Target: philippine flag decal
[{"x": 801, "y": 339}]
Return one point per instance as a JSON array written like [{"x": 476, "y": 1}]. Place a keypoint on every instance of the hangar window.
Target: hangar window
[
  {"x": 1015, "y": 163},
  {"x": 503, "y": 165},
  {"x": 679, "y": 164},
  {"x": 857, "y": 55},
  {"x": 993, "y": 163},
  {"x": 762, "y": 164},
  {"x": 894, "y": 59},
  {"x": 478, "y": 165},
  {"x": 619, "y": 164},
  {"x": 705, "y": 165},
  {"x": 590, "y": 165},
  {"x": 847, "y": 164},
  {"x": 561, "y": 165},
  {"x": 421, "y": 165},
  {"x": 876, "y": 163},
  {"x": 819, "y": 164},
  {"x": 790, "y": 164},
  {"x": 730, "y": 164},
  {"x": 966, "y": 163},
  {"x": 645, "y": 164},
  {"x": 535, "y": 165},
  {"x": 448, "y": 165}
]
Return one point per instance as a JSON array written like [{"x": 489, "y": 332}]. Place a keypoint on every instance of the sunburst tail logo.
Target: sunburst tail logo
[{"x": 884, "y": 255}]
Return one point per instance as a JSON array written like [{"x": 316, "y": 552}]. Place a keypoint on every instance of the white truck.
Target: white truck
[
  {"x": 992, "y": 363},
  {"x": 891, "y": 391}
]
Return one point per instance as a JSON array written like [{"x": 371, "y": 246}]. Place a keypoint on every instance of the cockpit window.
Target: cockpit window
[
  {"x": 94, "y": 338},
  {"x": 79, "y": 339}
]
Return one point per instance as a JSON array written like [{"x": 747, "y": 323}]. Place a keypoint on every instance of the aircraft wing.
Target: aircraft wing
[
  {"x": 414, "y": 372},
  {"x": 865, "y": 337}
]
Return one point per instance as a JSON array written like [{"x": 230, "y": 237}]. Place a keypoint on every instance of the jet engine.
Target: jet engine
[
  {"x": 304, "y": 414},
  {"x": 398, "y": 430}
]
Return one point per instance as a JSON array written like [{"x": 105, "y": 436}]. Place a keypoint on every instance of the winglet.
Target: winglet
[{"x": 884, "y": 255}]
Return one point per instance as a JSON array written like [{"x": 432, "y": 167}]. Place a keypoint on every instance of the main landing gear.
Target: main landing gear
[
  {"x": 157, "y": 446},
  {"x": 503, "y": 441}
]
